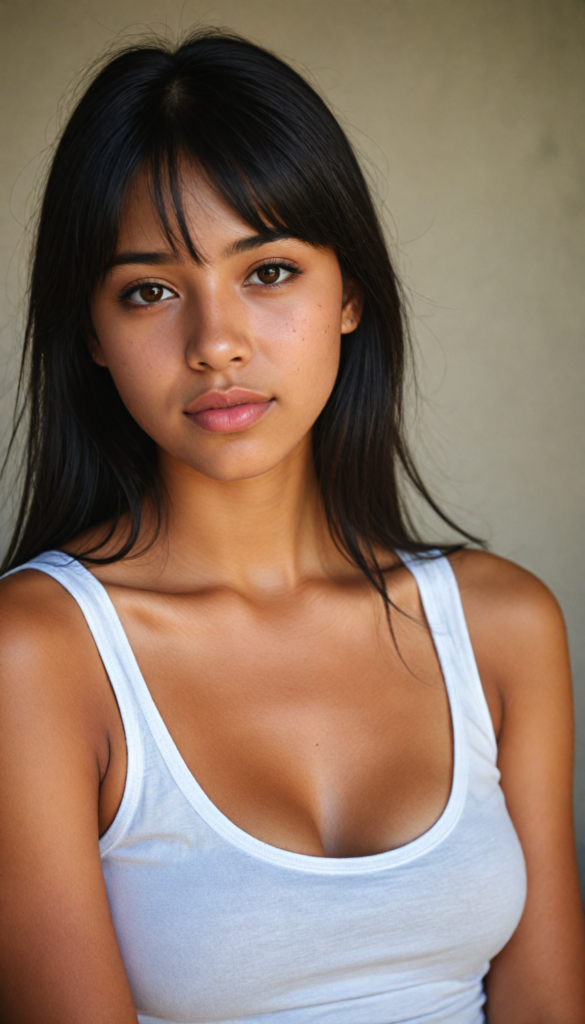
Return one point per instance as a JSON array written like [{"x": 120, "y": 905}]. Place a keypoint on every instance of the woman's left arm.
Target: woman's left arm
[{"x": 519, "y": 638}]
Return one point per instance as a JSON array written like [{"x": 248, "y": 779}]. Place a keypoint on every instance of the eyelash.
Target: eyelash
[
  {"x": 282, "y": 264},
  {"x": 128, "y": 292}
]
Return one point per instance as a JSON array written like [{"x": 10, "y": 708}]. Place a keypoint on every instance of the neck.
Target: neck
[{"x": 262, "y": 535}]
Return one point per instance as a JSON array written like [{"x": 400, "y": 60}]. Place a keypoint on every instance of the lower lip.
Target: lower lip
[{"x": 232, "y": 419}]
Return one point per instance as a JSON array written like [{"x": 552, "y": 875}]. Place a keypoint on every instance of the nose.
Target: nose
[{"x": 217, "y": 335}]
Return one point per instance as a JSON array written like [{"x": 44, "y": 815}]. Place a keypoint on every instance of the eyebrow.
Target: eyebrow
[
  {"x": 156, "y": 259},
  {"x": 124, "y": 259},
  {"x": 255, "y": 241}
]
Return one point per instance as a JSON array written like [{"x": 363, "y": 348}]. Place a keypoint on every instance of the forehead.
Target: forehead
[{"x": 209, "y": 219}]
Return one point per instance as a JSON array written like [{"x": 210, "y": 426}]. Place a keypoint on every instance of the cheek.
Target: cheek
[
  {"x": 306, "y": 357},
  {"x": 142, "y": 368}
]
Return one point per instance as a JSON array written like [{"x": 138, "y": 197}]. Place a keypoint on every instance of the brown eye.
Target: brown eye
[
  {"x": 272, "y": 273},
  {"x": 150, "y": 292},
  {"x": 269, "y": 274}
]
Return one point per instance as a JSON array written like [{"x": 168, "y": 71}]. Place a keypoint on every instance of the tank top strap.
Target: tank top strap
[
  {"x": 117, "y": 658},
  {"x": 441, "y": 600}
]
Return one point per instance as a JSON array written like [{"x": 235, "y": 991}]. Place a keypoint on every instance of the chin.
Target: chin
[{"x": 233, "y": 466}]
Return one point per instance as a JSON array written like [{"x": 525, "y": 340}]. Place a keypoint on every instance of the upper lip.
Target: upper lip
[{"x": 225, "y": 399}]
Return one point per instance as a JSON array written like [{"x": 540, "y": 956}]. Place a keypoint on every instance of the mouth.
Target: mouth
[{"x": 227, "y": 412}]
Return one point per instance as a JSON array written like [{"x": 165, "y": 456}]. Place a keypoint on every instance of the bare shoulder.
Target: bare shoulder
[
  {"x": 503, "y": 588},
  {"x": 31, "y": 588},
  {"x": 515, "y": 624},
  {"x": 498, "y": 595},
  {"x": 49, "y": 666},
  {"x": 38, "y": 618}
]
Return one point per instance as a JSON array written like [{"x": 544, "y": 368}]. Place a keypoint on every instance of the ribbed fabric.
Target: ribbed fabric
[{"x": 217, "y": 926}]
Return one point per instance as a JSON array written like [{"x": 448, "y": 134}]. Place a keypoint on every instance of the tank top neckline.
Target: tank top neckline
[{"x": 196, "y": 796}]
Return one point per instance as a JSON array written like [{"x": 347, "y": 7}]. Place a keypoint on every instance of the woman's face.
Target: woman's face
[{"x": 226, "y": 364}]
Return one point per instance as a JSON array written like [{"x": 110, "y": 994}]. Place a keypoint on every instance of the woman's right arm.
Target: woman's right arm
[{"x": 59, "y": 957}]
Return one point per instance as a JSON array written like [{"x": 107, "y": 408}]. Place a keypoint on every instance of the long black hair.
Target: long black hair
[{"x": 272, "y": 148}]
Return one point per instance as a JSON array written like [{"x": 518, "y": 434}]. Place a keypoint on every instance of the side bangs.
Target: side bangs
[
  {"x": 167, "y": 175},
  {"x": 261, "y": 136},
  {"x": 267, "y": 202}
]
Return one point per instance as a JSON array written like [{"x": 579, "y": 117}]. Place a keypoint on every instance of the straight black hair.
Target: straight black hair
[{"x": 274, "y": 151}]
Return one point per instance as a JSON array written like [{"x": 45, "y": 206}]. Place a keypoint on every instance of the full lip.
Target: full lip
[
  {"x": 225, "y": 400},
  {"x": 228, "y": 412}
]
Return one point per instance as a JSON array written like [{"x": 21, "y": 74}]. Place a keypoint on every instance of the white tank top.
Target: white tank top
[{"x": 217, "y": 926}]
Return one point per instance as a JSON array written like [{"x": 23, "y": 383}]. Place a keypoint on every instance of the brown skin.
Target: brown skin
[{"x": 301, "y": 722}]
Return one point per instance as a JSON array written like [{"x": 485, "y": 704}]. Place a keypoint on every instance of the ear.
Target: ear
[
  {"x": 95, "y": 351},
  {"x": 353, "y": 305},
  {"x": 93, "y": 343}
]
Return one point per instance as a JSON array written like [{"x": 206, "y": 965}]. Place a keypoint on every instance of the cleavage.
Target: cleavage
[{"x": 311, "y": 735}]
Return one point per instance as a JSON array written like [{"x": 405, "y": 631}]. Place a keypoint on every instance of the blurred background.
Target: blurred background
[{"x": 468, "y": 118}]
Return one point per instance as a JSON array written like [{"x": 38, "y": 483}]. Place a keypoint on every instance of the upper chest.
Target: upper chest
[{"x": 303, "y": 720}]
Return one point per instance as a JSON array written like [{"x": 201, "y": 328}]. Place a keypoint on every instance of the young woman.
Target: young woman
[{"x": 253, "y": 725}]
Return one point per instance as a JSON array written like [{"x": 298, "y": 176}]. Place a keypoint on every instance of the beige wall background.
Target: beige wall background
[{"x": 469, "y": 118}]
